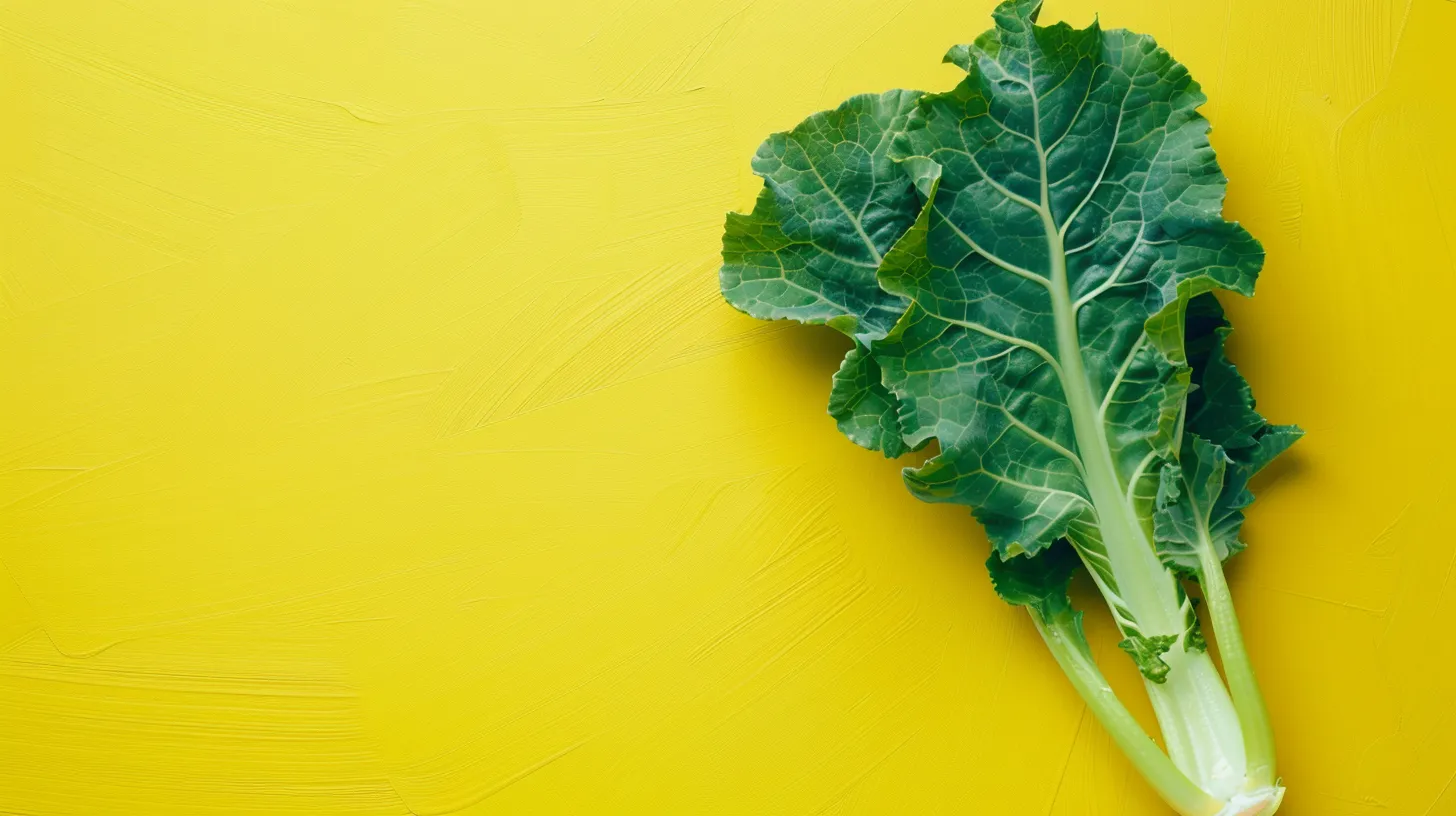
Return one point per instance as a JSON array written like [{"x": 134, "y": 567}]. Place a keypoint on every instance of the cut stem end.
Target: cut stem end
[{"x": 1259, "y": 803}]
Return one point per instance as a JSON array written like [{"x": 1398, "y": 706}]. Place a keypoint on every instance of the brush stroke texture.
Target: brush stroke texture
[{"x": 373, "y": 440}]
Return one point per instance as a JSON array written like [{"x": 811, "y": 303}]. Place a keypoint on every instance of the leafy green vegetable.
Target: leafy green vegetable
[{"x": 1025, "y": 263}]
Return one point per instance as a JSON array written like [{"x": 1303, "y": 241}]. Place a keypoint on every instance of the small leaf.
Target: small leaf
[
  {"x": 866, "y": 411},
  {"x": 1226, "y": 441},
  {"x": 1147, "y": 653},
  {"x": 1170, "y": 484},
  {"x": 1039, "y": 582}
]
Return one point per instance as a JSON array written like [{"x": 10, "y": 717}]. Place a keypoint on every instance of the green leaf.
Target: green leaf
[
  {"x": 1076, "y": 214},
  {"x": 1182, "y": 525},
  {"x": 1147, "y": 653},
  {"x": 1170, "y": 484},
  {"x": 866, "y": 411},
  {"x": 1046, "y": 316},
  {"x": 1226, "y": 441},
  {"x": 1211, "y": 510},
  {"x": 1077, "y": 191},
  {"x": 1221, "y": 409},
  {"x": 1015, "y": 16},
  {"x": 1039, "y": 583},
  {"x": 1025, "y": 491}
]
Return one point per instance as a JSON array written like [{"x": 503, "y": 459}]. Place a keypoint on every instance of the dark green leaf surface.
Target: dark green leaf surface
[
  {"x": 1026, "y": 264},
  {"x": 1077, "y": 188},
  {"x": 866, "y": 411},
  {"x": 1147, "y": 653},
  {"x": 1038, "y": 583},
  {"x": 1226, "y": 441},
  {"x": 1044, "y": 315},
  {"x": 833, "y": 205}
]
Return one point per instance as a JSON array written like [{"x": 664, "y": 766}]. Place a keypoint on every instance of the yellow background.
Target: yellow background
[{"x": 373, "y": 439}]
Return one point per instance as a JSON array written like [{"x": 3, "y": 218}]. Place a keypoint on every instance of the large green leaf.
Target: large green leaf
[
  {"x": 1076, "y": 213},
  {"x": 833, "y": 205},
  {"x": 1045, "y": 315},
  {"x": 1079, "y": 202}
]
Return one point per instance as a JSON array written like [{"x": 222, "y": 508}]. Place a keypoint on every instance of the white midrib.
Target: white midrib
[
  {"x": 1145, "y": 586},
  {"x": 1193, "y": 707}
]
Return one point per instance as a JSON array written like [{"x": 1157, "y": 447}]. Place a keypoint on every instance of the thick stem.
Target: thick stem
[
  {"x": 1260, "y": 803},
  {"x": 1199, "y": 723},
  {"x": 1144, "y": 583},
  {"x": 1194, "y": 709},
  {"x": 1064, "y": 637},
  {"x": 1248, "y": 700},
  {"x": 1198, "y": 719}
]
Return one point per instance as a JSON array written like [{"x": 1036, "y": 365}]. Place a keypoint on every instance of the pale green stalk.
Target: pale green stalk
[
  {"x": 1193, "y": 707},
  {"x": 1248, "y": 700},
  {"x": 1064, "y": 637}
]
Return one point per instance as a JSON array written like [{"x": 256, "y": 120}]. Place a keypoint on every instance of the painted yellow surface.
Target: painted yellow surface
[{"x": 373, "y": 439}]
